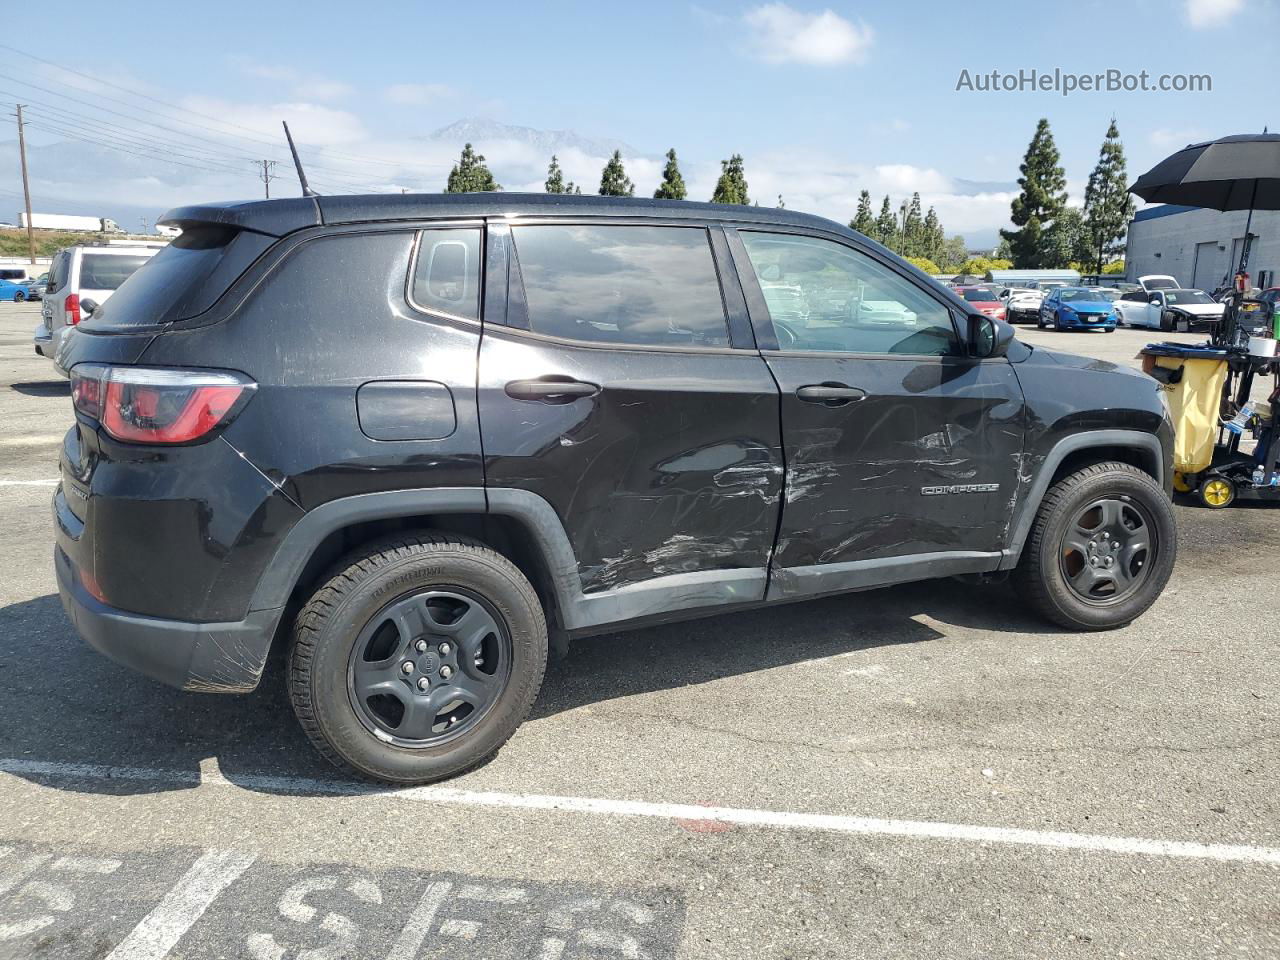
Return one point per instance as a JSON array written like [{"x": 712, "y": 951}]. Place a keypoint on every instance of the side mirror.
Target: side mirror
[
  {"x": 988, "y": 337},
  {"x": 88, "y": 306}
]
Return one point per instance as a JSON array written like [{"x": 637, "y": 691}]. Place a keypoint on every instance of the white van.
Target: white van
[{"x": 81, "y": 279}]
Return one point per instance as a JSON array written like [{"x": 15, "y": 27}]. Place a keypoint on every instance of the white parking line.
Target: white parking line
[
  {"x": 774, "y": 819},
  {"x": 31, "y": 441},
  {"x": 162, "y": 928},
  {"x": 29, "y": 483}
]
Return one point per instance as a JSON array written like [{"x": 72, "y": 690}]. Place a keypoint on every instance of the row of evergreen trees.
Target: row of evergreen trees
[
  {"x": 907, "y": 233},
  {"x": 471, "y": 175},
  {"x": 1051, "y": 234},
  {"x": 1048, "y": 233}
]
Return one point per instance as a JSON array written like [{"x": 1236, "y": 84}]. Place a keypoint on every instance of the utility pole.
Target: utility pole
[
  {"x": 26, "y": 186},
  {"x": 266, "y": 175}
]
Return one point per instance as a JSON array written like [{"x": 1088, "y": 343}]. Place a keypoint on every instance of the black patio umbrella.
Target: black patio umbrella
[{"x": 1240, "y": 172}]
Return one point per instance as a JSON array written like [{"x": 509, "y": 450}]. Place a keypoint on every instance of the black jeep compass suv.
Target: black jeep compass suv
[{"x": 415, "y": 441}]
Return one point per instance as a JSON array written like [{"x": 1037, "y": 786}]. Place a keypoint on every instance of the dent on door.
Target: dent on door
[
  {"x": 672, "y": 466},
  {"x": 927, "y": 463}
]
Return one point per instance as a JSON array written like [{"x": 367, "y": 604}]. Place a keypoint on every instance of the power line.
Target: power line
[
  {"x": 257, "y": 135},
  {"x": 151, "y": 123},
  {"x": 71, "y": 130}
]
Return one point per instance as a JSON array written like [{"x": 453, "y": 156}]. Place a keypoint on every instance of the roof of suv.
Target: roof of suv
[{"x": 278, "y": 217}]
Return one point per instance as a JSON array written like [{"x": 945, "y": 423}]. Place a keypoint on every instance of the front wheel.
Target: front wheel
[
  {"x": 418, "y": 659},
  {"x": 1101, "y": 549},
  {"x": 1057, "y": 322},
  {"x": 19, "y": 297}
]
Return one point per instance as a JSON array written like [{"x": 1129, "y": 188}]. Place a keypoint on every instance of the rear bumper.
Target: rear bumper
[
  {"x": 203, "y": 657},
  {"x": 43, "y": 342}
]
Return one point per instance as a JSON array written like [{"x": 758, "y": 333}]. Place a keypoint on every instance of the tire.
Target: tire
[
  {"x": 1057, "y": 322},
  {"x": 19, "y": 297},
  {"x": 1039, "y": 321},
  {"x": 1049, "y": 574},
  {"x": 354, "y": 604},
  {"x": 1165, "y": 325}
]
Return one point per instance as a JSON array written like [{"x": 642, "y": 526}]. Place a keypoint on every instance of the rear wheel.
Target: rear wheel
[
  {"x": 418, "y": 659},
  {"x": 1101, "y": 548},
  {"x": 19, "y": 297}
]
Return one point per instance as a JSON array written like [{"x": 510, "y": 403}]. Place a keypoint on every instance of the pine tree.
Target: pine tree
[
  {"x": 886, "y": 224},
  {"x": 470, "y": 175},
  {"x": 933, "y": 236},
  {"x": 1108, "y": 207},
  {"x": 672, "y": 185},
  {"x": 1043, "y": 196},
  {"x": 863, "y": 221},
  {"x": 913, "y": 229},
  {"x": 954, "y": 252},
  {"x": 614, "y": 181},
  {"x": 1067, "y": 240},
  {"x": 555, "y": 177},
  {"x": 732, "y": 185},
  {"x": 781, "y": 204}
]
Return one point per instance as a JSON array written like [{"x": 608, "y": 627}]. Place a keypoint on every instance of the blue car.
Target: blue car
[
  {"x": 1077, "y": 308},
  {"x": 13, "y": 291}
]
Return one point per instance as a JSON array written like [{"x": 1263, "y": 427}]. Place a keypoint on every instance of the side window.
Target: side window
[
  {"x": 446, "y": 275},
  {"x": 57, "y": 272},
  {"x": 1135, "y": 296},
  {"x": 635, "y": 285},
  {"x": 824, "y": 296}
]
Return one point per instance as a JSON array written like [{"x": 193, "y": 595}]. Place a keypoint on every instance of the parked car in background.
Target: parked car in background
[
  {"x": 36, "y": 288},
  {"x": 1022, "y": 304},
  {"x": 1077, "y": 308},
  {"x": 1157, "y": 281},
  {"x": 1169, "y": 309},
  {"x": 11, "y": 290},
  {"x": 984, "y": 300},
  {"x": 278, "y": 433},
  {"x": 81, "y": 279}
]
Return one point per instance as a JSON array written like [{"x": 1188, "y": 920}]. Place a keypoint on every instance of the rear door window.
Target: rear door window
[
  {"x": 647, "y": 286},
  {"x": 446, "y": 276}
]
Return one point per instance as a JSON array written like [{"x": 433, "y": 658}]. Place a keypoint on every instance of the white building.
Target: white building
[{"x": 1201, "y": 247}]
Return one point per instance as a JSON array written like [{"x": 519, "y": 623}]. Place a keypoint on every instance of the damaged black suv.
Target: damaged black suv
[{"x": 416, "y": 442}]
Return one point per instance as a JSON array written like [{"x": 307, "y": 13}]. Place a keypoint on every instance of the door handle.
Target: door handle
[
  {"x": 550, "y": 391},
  {"x": 832, "y": 394}
]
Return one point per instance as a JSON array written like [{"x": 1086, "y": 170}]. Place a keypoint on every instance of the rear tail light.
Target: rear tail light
[
  {"x": 71, "y": 309},
  {"x": 153, "y": 405}
]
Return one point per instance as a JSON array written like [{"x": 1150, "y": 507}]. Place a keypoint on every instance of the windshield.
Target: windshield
[
  {"x": 1187, "y": 296},
  {"x": 978, "y": 295},
  {"x": 104, "y": 271},
  {"x": 1069, "y": 294}
]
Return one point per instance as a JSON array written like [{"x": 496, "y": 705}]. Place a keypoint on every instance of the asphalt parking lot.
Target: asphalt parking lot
[{"x": 925, "y": 771}]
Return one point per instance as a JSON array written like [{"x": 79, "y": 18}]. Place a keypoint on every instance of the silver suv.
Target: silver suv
[{"x": 81, "y": 278}]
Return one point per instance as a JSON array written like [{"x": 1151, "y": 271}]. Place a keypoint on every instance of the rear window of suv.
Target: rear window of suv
[
  {"x": 106, "y": 271},
  {"x": 183, "y": 279},
  {"x": 628, "y": 285}
]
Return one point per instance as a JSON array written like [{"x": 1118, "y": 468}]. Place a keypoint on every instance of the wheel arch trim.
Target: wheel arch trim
[
  {"x": 1024, "y": 512},
  {"x": 578, "y": 610}
]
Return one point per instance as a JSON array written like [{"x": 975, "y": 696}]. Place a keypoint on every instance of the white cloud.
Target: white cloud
[
  {"x": 1211, "y": 13},
  {"x": 782, "y": 34},
  {"x": 417, "y": 94},
  {"x": 301, "y": 86}
]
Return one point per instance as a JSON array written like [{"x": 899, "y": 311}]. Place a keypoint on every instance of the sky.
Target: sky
[{"x": 170, "y": 103}]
